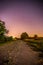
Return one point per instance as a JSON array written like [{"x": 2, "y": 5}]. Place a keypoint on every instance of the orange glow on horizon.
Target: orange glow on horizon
[{"x": 18, "y": 35}]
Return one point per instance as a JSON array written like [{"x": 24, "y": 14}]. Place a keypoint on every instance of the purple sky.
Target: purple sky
[{"x": 22, "y": 16}]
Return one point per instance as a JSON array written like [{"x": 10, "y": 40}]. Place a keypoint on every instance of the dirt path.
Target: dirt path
[{"x": 17, "y": 53}]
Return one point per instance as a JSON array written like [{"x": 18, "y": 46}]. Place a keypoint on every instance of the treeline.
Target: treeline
[{"x": 25, "y": 36}]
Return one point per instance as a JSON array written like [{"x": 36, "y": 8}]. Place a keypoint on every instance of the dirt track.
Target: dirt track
[{"x": 17, "y": 53}]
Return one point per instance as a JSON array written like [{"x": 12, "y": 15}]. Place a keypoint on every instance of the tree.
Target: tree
[
  {"x": 3, "y": 29},
  {"x": 24, "y": 35},
  {"x": 35, "y": 37}
]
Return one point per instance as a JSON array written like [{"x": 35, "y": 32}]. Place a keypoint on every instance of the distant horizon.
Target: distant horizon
[{"x": 30, "y": 35}]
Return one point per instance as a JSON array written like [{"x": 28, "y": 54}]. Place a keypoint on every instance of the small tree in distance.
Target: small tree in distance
[
  {"x": 3, "y": 31},
  {"x": 24, "y": 36},
  {"x": 35, "y": 36}
]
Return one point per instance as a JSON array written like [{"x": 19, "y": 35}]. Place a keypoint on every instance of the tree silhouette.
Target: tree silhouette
[
  {"x": 24, "y": 35},
  {"x": 3, "y": 29},
  {"x": 35, "y": 36}
]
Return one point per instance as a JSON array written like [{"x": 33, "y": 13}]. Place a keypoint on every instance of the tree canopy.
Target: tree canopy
[
  {"x": 3, "y": 29},
  {"x": 35, "y": 36},
  {"x": 24, "y": 35}
]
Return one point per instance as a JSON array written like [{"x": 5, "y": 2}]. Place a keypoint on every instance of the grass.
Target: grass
[
  {"x": 3, "y": 43},
  {"x": 37, "y": 45}
]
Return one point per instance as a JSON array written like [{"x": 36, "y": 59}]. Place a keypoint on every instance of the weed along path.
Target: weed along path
[{"x": 17, "y": 53}]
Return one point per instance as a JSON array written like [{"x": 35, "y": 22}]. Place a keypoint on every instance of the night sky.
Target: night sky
[{"x": 22, "y": 16}]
